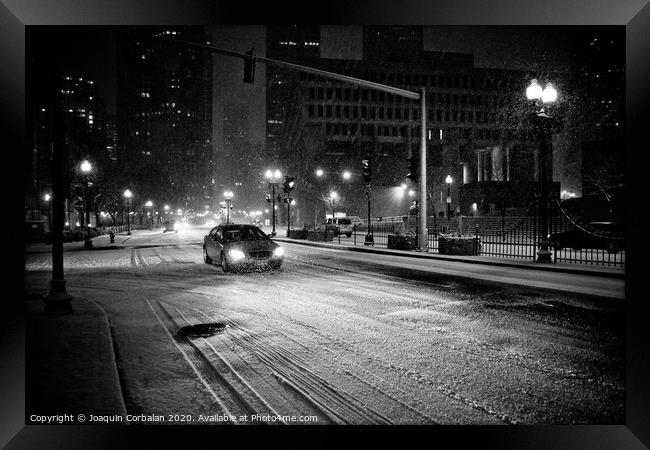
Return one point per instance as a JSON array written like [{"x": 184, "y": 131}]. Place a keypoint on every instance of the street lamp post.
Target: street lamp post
[
  {"x": 228, "y": 195},
  {"x": 47, "y": 198},
  {"x": 274, "y": 179},
  {"x": 128, "y": 195},
  {"x": 149, "y": 205},
  {"x": 86, "y": 168},
  {"x": 449, "y": 180},
  {"x": 545, "y": 124}
]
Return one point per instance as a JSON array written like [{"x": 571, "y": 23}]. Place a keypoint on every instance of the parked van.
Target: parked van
[{"x": 340, "y": 225}]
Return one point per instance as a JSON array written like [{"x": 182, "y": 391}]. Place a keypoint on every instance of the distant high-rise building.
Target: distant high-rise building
[
  {"x": 164, "y": 116},
  {"x": 84, "y": 119}
]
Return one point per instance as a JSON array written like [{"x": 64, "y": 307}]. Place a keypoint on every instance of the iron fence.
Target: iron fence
[{"x": 514, "y": 237}]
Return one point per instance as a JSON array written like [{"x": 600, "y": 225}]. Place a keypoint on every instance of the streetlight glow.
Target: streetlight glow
[
  {"x": 128, "y": 194},
  {"x": 149, "y": 204},
  {"x": 549, "y": 94},
  {"x": 86, "y": 166},
  {"x": 449, "y": 180},
  {"x": 47, "y": 197},
  {"x": 404, "y": 186},
  {"x": 346, "y": 175},
  {"x": 319, "y": 172},
  {"x": 534, "y": 91},
  {"x": 334, "y": 195}
]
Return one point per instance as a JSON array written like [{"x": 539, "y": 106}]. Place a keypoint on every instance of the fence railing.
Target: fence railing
[{"x": 514, "y": 237}]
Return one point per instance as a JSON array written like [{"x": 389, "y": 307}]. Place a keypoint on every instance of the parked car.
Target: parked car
[
  {"x": 172, "y": 225},
  {"x": 236, "y": 246},
  {"x": 341, "y": 225},
  {"x": 597, "y": 235}
]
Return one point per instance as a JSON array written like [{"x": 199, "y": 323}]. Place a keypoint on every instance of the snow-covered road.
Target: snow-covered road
[{"x": 329, "y": 339}]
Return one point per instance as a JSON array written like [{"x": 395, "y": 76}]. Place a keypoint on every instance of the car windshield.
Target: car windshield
[
  {"x": 243, "y": 234},
  {"x": 344, "y": 222}
]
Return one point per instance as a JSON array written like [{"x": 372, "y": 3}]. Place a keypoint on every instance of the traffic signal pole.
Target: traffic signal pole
[
  {"x": 423, "y": 235},
  {"x": 249, "y": 57}
]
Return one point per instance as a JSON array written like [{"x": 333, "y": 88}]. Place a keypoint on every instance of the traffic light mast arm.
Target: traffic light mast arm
[{"x": 323, "y": 73}]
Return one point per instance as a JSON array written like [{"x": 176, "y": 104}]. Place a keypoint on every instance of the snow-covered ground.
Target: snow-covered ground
[{"x": 331, "y": 339}]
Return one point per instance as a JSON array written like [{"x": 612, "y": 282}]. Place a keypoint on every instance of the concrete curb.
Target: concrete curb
[{"x": 600, "y": 272}]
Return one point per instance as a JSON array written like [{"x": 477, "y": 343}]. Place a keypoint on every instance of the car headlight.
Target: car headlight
[
  {"x": 278, "y": 251},
  {"x": 236, "y": 254}
]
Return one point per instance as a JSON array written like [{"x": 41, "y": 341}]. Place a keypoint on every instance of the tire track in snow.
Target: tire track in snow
[
  {"x": 241, "y": 381},
  {"x": 287, "y": 367},
  {"x": 197, "y": 364}
]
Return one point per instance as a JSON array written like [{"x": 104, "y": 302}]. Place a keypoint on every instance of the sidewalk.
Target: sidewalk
[
  {"x": 577, "y": 269},
  {"x": 70, "y": 362},
  {"x": 99, "y": 243}
]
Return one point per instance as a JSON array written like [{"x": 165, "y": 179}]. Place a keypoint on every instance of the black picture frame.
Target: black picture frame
[{"x": 633, "y": 14}]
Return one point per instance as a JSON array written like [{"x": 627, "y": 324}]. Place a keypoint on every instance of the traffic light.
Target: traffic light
[
  {"x": 366, "y": 170},
  {"x": 249, "y": 68},
  {"x": 413, "y": 168},
  {"x": 288, "y": 184}
]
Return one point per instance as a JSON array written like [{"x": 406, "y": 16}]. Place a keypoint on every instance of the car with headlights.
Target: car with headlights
[
  {"x": 595, "y": 235},
  {"x": 239, "y": 246},
  {"x": 172, "y": 225}
]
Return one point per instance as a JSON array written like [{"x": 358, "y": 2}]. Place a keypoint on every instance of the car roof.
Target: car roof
[{"x": 237, "y": 226}]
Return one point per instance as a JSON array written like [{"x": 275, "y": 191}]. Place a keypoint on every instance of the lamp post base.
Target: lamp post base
[
  {"x": 544, "y": 255},
  {"x": 58, "y": 300}
]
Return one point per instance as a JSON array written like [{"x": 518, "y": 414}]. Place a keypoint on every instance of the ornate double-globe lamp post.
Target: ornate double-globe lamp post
[
  {"x": 546, "y": 126},
  {"x": 128, "y": 195},
  {"x": 273, "y": 177},
  {"x": 86, "y": 168}
]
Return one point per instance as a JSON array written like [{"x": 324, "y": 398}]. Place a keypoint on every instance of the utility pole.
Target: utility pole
[{"x": 58, "y": 299}]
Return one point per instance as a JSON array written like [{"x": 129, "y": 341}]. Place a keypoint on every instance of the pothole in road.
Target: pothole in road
[{"x": 202, "y": 329}]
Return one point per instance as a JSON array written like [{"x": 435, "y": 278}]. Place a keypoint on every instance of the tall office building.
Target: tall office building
[{"x": 476, "y": 130}]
